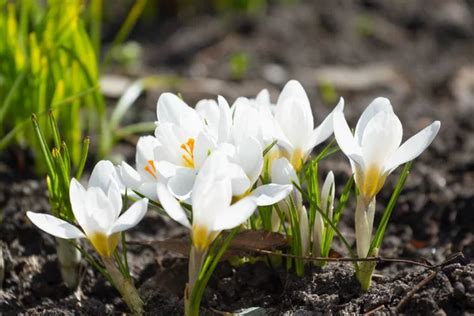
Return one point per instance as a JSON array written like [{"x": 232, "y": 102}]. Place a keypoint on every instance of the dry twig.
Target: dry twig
[{"x": 410, "y": 294}]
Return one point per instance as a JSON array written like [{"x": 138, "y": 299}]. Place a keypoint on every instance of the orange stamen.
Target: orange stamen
[
  {"x": 188, "y": 156},
  {"x": 152, "y": 170}
]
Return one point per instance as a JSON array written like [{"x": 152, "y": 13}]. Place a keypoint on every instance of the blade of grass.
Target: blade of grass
[
  {"x": 82, "y": 161},
  {"x": 44, "y": 147}
]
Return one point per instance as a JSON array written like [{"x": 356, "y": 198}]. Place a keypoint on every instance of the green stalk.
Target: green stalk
[
  {"x": 200, "y": 284},
  {"x": 364, "y": 217},
  {"x": 364, "y": 270},
  {"x": 124, "y": 286}
]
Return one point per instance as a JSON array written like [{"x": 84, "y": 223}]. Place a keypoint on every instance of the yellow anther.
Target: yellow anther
[
  {"x": 188, "y": 155},
  {"x": 150, "y": 168}
]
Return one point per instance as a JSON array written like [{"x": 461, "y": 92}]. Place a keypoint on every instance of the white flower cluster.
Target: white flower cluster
[{"x": 223, "y": 161}]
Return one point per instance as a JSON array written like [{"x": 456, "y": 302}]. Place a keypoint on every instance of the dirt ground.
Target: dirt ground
[{"x": 416, "y": 53}]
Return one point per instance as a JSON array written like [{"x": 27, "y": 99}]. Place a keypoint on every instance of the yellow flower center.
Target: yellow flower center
[
  {"x": 104, "y": 245},
  {"x": 370, "y": 181},
  {"x": 188, "y": 156},
  {"x": 201, "y": 237},
  {"x": 150, "y": 168},
  {"x": 297, "y": 159}
]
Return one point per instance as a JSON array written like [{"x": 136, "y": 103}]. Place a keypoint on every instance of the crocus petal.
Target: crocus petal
[
  {"x": 324, "y": 130},
  {"x": 245, "y": 121},
  {"x": 101, "y": 212},
  {"x": 263, "y": 98},
  {"x": 182, "y": 183},
  {"x": 212, "y": 191},
  {"x": 282, "y": 172},
  {"x": 147, "y": 189},
  {"x": 377, "y": 105},
  {"x": 235, "y": 215},
  {"x": 239, "y": 179},
  {"x": 131, "y": 217},
  {"x": 145, "y": 150},
  {"x": 209, "y": 112},
  {"x": 129, "y": 176},
  {"x": 170, "y": 143},
  {"x": 382, "y": 136},
  {"x": 345, "y": 139},
  {"x": 202, "y": 149},
  {"x": 166, "y": 169},
  {"x": 296, "y": 121},
  {"x": 55, "y": 226},
  {"x": 293, "y": 90},
  {"x": 413, "y": 147},
  {"x": 249, "y": 156},
  {"x": 172, "y": 206},
  {"x": 103, "y": 175},
  {"x": 115, "y": 198},
  {"x": 78, "y": 198},
  {"x": 225, "y": 120},
  {"x": 172, "y": 109},
  {"x": 270, "y": 194}
]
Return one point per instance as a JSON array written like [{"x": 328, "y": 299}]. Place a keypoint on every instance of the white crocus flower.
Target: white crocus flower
[
  {"x": 294, "y": 117},
  {"x": 148, "y": 170},
  {"x": 97, "y": 211},
  {"x": 327, "y": 206},
  {"x": 183, "y": 142},
  {"x": 211, "y": 200},
  {"x": 374, "y": 150}
]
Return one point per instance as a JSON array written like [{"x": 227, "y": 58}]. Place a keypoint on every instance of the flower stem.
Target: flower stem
[
  {"x": 364, "y": 219},
  {"x": 196, "y": 261},
  {"x": 69, "y": 259},
  {"x": 125, "y": 286}
]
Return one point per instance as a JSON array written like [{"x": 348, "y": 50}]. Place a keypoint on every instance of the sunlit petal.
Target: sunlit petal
[
  {"x": 78, "y": 198},
  {"x": 270, "y": 194},
  {"x": 293, "y": 90},
  {"x": 182, "y": 183},
  {"x": 377, "y": 105},
  {"x": 413, "y": 147},
  {"x": 382, "y": 136},
  {"x": 249, "y": 156},
  {"x": 55, "y": 226},
  {"x": 172, "y": 109},
  {"x": 131, "y": 217},
  {"x": 172, "y": 206},
  {"x": 235, "y": 215},
  {"x": 202, "y": 149},
  {"x": 282, "y": 172},
  {"x": 103, "y": 174}
]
